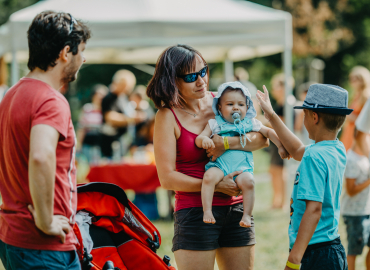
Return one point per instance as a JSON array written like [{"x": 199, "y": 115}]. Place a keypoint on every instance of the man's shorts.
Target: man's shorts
[
  {"x": 325, "y": 257},
  {"x": 15, "y": 258},
  {"x": 358, "y": 232},
  {"x": 191, "y": 233}
]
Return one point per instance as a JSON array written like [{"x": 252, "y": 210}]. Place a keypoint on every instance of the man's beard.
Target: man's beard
[{"x": 70, "y": 72}]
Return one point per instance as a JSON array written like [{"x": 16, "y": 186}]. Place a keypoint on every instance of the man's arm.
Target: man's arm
[
  {"x": 291, "y": 142},
  {"x": 42, "y": 166},
  {"x": 306, "y": 230}
]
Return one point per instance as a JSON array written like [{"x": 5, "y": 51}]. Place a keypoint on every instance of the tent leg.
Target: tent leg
[
  {"x": 229, "y": 70},
  {"x": 14, "y": 68},
  {"x": 289, "y": 98}
]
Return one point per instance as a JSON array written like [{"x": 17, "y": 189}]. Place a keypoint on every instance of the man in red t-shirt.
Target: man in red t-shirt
[{"x": 37, "y": 148}]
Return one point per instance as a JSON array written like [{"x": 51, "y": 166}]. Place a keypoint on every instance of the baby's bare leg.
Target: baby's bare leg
[
  {"x": 211, "y": 178},
  {"x": 245, "y": 182}
]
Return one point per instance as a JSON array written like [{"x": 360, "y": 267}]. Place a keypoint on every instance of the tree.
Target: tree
[
  {"x": 337, "y": 31},
  {"x": 7, "y": 7}
]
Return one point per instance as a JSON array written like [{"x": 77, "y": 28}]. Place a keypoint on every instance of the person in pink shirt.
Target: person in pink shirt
[
  {"x": 179, "y": 89},
  {"x": 37, "y": 150}
]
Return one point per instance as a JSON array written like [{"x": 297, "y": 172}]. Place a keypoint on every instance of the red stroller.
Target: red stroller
[{"x": 123, "y": 238}]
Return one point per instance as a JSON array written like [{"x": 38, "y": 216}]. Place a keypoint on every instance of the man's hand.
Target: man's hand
[
  {"x": 59, "y": 225},
  {"x": 207, "y": 143},
  {"x": 218, "y": 149},
  {"x": 228, "y": 186}
]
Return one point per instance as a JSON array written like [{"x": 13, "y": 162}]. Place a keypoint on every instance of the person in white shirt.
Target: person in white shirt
[
  {"x": 355, "y": 206},
  {"x": 363, "y": 126}
]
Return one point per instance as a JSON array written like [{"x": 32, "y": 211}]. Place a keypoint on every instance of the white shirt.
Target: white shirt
[
  {"x": 357, "y": 168},
  {"x": 363, "y": 120}
]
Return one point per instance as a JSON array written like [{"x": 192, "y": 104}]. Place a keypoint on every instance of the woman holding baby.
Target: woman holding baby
[{"x": 179, "y": 89}]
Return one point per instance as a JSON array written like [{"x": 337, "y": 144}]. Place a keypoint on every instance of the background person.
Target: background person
[
  {"x": 359, "y": 79},
  {"x": 185, "y": 106},
  {"x": 363, "y": 129},
  {"x": 37, "y": 142},
  {"x": 90, "y": 124},
  {"x": 277, "y": 172},
  {"x": 119, "y": 116},
  {"x": 355, "y": 205}
]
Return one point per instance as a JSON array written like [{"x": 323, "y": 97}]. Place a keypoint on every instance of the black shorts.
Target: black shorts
[
  {"x": 325, "y": 257},
  {"x": 191, "y": 233},
  {"x": 275, "y": 157}
]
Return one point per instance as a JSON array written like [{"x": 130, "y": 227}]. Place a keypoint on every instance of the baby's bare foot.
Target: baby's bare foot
[
  {"x": 208, "y": 217},
  {"x": 246, "y": 221}
]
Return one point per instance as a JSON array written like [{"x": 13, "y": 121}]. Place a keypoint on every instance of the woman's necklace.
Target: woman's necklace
[{"x": 193, "y": 114}]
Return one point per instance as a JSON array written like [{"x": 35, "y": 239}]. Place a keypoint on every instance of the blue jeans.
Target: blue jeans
[{"x": 15, "y": 258}]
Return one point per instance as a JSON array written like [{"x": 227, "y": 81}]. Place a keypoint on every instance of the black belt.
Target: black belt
[{"x": 320, "y": 245}]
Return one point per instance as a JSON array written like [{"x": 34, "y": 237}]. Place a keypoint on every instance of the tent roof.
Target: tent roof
[{"x": 127, "y": 31}]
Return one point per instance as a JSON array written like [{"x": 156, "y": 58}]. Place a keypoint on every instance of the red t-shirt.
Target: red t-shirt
[{"x": 28, "y": 103}]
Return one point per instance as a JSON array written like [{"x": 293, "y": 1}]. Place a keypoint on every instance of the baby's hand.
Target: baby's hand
[
  {"x": 207, "y": 143},
  {"x": 284, "y": 153}
]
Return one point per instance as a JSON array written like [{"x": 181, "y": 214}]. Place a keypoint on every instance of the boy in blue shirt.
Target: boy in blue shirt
[{"x": 313, "y": 230}]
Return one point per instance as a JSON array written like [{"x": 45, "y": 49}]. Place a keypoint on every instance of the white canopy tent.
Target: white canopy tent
[{"x": 137, "y": 31}]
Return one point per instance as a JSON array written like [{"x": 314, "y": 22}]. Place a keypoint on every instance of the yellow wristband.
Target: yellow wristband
[
  {"x": 293, "y": 265},
  {"x": 226, "y": 143}
]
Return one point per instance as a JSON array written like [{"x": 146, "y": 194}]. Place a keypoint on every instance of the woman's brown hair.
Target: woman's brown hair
[{"x": 174, "y": 61}]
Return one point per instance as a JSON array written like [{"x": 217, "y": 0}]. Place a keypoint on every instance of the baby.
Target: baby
[{"x": 235, "y": 114}]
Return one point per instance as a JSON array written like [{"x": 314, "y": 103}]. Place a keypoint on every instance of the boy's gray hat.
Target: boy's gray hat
[
  {"x": 326, "y": 98},
  {"x": 251, "y": 113}
]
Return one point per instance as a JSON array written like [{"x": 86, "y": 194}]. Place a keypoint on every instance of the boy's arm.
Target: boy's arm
[
  {"x": 206, "y": 133},
  {"x": 291, "y": 142},
  {"x": 306, "y": 230},
  {"x": 353, "y": 189}
]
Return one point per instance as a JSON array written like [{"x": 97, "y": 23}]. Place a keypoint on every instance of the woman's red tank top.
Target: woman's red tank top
[{"x": 191, "y": 160}]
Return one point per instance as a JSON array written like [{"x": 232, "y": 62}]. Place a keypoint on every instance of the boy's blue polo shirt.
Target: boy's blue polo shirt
[{"x": 319, "y": 178}]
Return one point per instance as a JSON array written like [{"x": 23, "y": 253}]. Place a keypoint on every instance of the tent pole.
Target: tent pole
[
  {"x": 289, "y": 98},
  {"x": 228, "y": 70},
  {"x": 14, "y": 65}
]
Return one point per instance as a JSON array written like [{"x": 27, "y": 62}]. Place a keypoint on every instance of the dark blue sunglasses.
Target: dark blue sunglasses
[{"x": 192, "y": 77}]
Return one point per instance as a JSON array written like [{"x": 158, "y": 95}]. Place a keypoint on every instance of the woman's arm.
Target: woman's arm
[
  {"x": 258, "y": 141},
  {"x": 353, "y": 189},
  {"x": 165, "y": 157}
]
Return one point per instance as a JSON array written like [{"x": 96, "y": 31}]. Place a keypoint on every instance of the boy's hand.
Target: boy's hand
[
  {"x": 265, "y": 103},
  {"x": 283, "y": 153},
  {"x": 207, "y": 143}
]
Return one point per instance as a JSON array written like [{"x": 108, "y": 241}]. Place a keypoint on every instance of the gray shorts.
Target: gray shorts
[{"x": 191, "y": 233}]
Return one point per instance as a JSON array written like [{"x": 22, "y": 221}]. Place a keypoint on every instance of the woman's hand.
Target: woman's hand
[
  {"x": 265, "y": 103},
  {"x": 228, "y": 186},
  {"x": 218, "y": 149}
]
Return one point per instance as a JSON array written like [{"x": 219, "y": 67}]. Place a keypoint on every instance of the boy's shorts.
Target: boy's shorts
[
  {"x": 325, "y": 257},
  {"x": 358, "y": 232}
]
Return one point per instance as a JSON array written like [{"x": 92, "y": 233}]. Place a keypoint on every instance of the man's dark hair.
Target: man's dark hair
[
  {"x": 49, "y": 33},
  {"x": 333, "y": 122}
]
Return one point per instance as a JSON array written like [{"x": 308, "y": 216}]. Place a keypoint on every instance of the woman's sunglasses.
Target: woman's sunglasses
[{"x": 192, "y": 77}]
